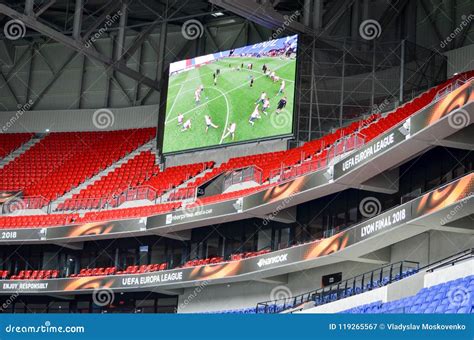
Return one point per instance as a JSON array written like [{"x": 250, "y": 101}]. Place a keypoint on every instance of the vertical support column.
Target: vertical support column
[
  {"x": 30, "y": 71},
  {"x": 318, "y": 14},
  {"x": 77, "y": 24},
  {"x": 307, "y": 13},
  {"x": 29, "y": 5},
  {"x": 81, "y": 85},
  {"x": 121, "y": 31},
  {"x": 139, "y": 69},
  {"x": 160, "y": 69},
  {"x": 313, "y": 89},
  {"x": 372, "y": 95},
  {"x": 365, "y": 10},
  {"x": 108, "y": 83},
  {"x": 341, "y": 101},
  {"x": 402, "y": 70},
  {"x": 355, "y": 20},
  {"x": 116, "y": 260},
  {"x": 162, "y": 47}
]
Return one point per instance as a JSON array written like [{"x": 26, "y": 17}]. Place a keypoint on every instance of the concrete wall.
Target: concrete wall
[
  {"x": 431, "y": 246},
  {"x": 460, "y": 59},
  {"x": 79, "y": 120}
]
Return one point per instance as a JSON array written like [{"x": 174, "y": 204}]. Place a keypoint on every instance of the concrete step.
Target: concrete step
[
  {"x": 18, "y": 152},
  {"x": 69, "y": 194}
]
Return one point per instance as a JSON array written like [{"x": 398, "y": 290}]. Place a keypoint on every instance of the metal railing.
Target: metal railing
[
  {"x": 450, "y": 260},
  {"x": 329, "y": 155},
  {"x": 451, "y": 87},
  {"x": 253, "y": 173},
  {"x": 131, "y": 194},
  {"x": 353, "y": 286}
]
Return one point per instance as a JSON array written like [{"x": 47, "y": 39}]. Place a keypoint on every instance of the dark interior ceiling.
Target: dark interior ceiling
[{"x": 59, "y": 15}]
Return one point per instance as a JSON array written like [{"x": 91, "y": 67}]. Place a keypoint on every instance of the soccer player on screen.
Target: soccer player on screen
[
  {"x": 282, "y": 87},
  {"x": 186, "y": 125},
  {"x": 180, "y": 118},
  {"x": 254, "y": 116},
  {"x": 197, "y": 96},
  {"x": 262, "y": 98},
  {"x": 230, "y": 131},
  {"x": 281, "y": 105},
  {"x": 266, "y": 105},
  {"x": 209, "y": 123}
]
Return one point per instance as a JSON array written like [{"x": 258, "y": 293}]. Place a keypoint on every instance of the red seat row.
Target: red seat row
[
  {"x": 35, "y": 275},
  {"x": 95, "y": 272},
  {"x": 144, "y": 268},
  {"x": 176, "y": 175},
  {"x": 9, "y": 142},
  {"x": 241, "y": 256},
  {"x": 203, "y": 262}
]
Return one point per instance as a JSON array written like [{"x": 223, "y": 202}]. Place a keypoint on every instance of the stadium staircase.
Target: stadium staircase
[
  {"x": 151, "y": 145},
  {"x": 13, "y": 147}
]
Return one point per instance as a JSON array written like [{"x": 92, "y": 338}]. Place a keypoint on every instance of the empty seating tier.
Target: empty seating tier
[
  {"x": 9, "y": 142},
  {"x": 62, "y": 161}
]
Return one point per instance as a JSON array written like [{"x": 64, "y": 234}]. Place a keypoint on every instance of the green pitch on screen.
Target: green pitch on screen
[{"x": 231, "y": 100}]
